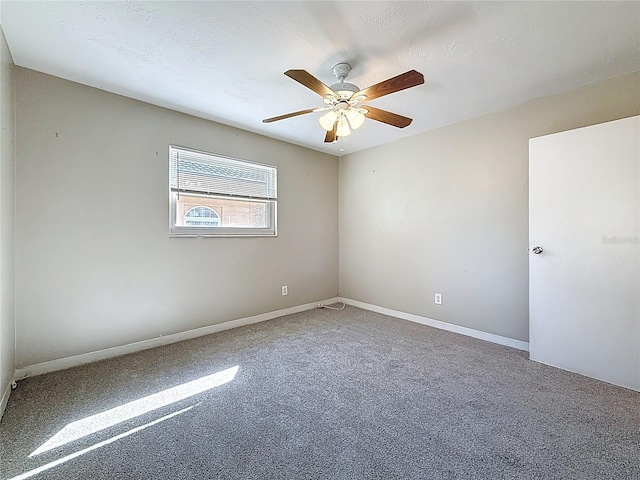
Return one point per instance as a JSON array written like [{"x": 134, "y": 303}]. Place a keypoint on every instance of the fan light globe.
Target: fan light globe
[
  {"x": 356, "y": 119},
  {"x": 327, "y": 120},
  {"x": 343, "y": 127}
]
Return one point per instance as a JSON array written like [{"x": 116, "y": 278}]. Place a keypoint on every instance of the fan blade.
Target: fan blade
[
  {"x": 289, "y": 115},
  {"x": 401, "y": 82},
  {"x": 330, "y": 137},
  {"x": 311, "y": 82},
  {"x": 387, "y": 117}
]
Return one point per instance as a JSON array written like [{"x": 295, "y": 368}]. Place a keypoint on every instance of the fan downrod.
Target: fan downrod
[{"x": 343, "y": 89}]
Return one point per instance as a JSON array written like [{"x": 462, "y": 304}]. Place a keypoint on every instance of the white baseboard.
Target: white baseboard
[
  {"x": 635, "y": 386},
  {"x": 5, "y": 399},
  {"x": 470, "y": 332},
  {"x": 76, "y": 360}
]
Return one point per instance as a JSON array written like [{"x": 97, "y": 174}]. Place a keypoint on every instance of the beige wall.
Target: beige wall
[
  {"x": 89, "y": 277},
  {"x": 446, "y": 211},
  {"x": 7, "y": 148}
]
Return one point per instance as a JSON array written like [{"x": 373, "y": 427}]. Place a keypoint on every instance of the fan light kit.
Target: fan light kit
[{"x": 342, "y": 101}]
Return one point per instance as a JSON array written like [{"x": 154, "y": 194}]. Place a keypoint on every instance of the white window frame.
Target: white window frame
[{"x": 221, "y": 231}]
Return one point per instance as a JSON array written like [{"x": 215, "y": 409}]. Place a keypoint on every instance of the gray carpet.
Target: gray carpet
[{"x": 331, "y": 395}]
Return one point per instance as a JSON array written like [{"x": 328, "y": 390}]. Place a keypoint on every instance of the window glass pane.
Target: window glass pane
[
  {"x": 200, "y": 211},
  {"x": 201, "y": 217}
]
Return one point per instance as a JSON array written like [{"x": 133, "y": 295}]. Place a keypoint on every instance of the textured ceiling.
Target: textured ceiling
[{"x": 224, "y": 61}]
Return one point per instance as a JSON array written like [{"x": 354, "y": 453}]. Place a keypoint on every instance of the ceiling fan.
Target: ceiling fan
[{"x": 343, "y": 101}]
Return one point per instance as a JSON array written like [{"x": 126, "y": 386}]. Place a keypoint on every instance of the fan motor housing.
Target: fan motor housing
[{"x": 345, "y": 90}]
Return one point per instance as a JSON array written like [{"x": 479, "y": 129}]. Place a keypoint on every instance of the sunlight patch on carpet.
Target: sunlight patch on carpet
[
  {"x": 62, "y": 460},
  {"x": 103, "y": 420}
]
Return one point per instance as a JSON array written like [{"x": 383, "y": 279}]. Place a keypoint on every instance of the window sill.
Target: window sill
[{"x": 220, "y": 235}]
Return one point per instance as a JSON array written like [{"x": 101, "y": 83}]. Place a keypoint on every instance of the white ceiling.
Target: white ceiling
[{"x": 224, "y": 61}]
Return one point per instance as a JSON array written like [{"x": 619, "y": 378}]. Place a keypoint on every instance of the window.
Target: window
[
  {"x": 201, "y": 217},
  {"x": 212, "y": 195}
]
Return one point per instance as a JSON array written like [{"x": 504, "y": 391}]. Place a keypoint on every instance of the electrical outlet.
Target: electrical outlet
[
  {"x": 284, "y": 290},
  {"x": 438, "y": 299}
]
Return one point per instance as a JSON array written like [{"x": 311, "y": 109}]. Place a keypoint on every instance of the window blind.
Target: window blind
[{"x": 191, "y": 171}]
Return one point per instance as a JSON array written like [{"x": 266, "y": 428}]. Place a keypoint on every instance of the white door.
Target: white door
[{"x": 584, "y": 300}]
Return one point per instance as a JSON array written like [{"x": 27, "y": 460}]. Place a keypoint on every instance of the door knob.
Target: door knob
[{"x": 537, "y": 250}]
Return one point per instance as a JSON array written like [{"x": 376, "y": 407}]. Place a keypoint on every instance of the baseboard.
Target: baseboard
[
  {"x": 470, "y": 332},
  {"x": 5, "y": 399},
  {"x": 77, "y": 360},
  {"x": 634, "y": 387}
]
